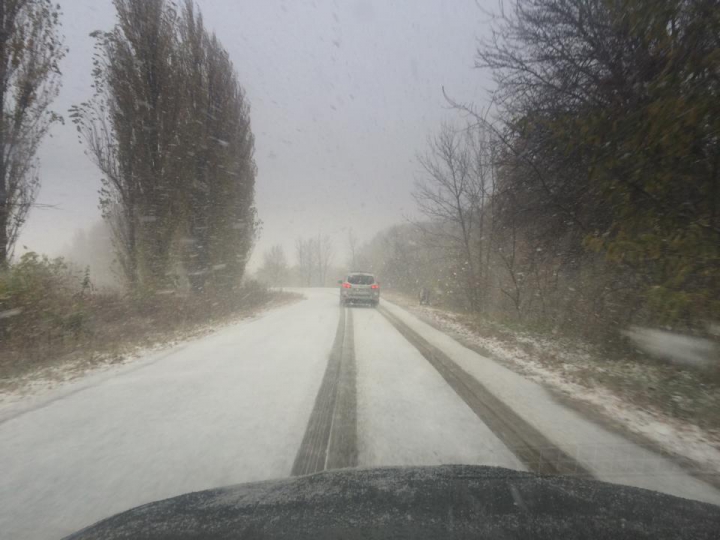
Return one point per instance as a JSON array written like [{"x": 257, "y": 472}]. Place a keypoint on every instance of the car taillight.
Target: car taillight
[
  {"x": 375, "y": 286},
  {"x": 346, "y": 286}
]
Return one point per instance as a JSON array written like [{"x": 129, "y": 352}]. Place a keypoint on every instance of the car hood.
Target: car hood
[{"x": 454, "y": 501}]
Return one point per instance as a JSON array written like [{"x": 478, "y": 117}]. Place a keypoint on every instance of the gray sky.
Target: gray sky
[{"x": 343, "y": 94}]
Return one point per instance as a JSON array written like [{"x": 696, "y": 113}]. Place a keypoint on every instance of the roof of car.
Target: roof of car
[{"x": 361, "y": 273}]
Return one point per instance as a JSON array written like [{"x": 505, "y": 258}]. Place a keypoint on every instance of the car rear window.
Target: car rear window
[{"x": 360, "y": 279}]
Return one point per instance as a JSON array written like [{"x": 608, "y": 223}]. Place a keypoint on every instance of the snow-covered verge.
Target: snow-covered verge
[
  {"x": 671, "y": 409},
  {"x": 227, "y": 408},
  {"x": 65, "y": 368}
]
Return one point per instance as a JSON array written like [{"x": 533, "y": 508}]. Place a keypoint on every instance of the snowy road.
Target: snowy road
[
  {"x": 410, "y": 415},
  {"x": 299, "y": 388}
]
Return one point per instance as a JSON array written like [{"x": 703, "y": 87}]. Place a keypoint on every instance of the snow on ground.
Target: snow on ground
[
  {"x": 677, "y": 438},
  {"x": 609, "y": 456},
  {"x": 41, "y": 384},
  {"x": 229, "y": 408},
  {"x": 233, "y": 407},
  {"x": 407, "y": 413}
]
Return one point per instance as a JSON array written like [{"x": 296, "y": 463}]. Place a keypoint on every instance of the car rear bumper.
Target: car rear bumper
[{"x": 352, "y": 296}]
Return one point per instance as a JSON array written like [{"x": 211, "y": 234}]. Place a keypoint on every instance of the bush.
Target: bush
[
  {"x": 41, "y": 300},
  {"x": 49, "y": 310}
]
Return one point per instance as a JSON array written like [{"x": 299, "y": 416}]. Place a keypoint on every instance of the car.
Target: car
[{"x": 360, "y": 287}]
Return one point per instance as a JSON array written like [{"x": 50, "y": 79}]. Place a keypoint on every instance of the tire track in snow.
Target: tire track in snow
[
  {"x": 330, "y": 440},
  {"x": 521, "y": 438}
]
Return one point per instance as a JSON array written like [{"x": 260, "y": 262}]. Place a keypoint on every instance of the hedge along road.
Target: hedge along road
[{"x": 302, "y": 388}]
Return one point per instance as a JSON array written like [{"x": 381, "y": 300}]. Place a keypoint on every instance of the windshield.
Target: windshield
[
  {"x": 256, "y": 240},
  {"x": 360, "y": 279}
]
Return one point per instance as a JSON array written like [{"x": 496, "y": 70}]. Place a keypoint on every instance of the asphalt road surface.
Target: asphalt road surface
[{"x": 303, "y": 388}]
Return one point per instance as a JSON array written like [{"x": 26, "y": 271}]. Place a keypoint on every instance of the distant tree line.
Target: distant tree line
[
  {"x": 169, "y": 127},
  {"x": 314, "y": 257},
  {"x": 587, "y": 197}
]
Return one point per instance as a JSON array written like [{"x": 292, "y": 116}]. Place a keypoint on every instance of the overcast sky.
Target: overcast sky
[{"x": 343, "y": 93}]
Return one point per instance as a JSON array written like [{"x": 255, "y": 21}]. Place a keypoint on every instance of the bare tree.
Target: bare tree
[
  {"x": 324, "y": 252},
  {"x": 314, "y": 256},
  {"x": 305, "y": 260},
  {"x": 30, "y": 50},
  {"x": 448, "y": 194},
  {"x": 275, "y": 266},
  {"x": 405, "y": 260},
  {"x": 483, "y": 165},
  {"x": 353, "y": 246}
]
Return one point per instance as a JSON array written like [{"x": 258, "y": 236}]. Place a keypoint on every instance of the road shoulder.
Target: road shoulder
[
  {"x": 609, "y": 455},
  {"x": 73, "y": 374}
]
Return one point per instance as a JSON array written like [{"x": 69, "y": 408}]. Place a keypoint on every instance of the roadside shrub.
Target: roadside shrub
[
  {"x": 42, "y": 300},
  {"x": 49, "y": 309}
]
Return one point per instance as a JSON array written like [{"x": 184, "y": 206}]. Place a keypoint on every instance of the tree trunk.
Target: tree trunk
[{"x": 4, "y": 210}]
